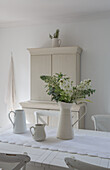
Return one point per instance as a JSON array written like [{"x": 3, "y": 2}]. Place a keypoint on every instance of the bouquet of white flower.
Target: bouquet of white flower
[{"x": 62, "y": 89}]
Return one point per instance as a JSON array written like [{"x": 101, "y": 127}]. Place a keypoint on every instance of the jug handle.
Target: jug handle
[
  {"x": 79, "y": 119},
  {"x": 9, "y": 115},
  {"x": 31, "y": 130},
  {"x": 59, "y": 41}
]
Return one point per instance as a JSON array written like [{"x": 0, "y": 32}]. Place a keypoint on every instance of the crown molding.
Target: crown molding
[{"x": 70, "y": 18}]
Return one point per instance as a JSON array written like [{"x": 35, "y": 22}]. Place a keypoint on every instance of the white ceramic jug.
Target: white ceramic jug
[
  {"x": 19, "y": 123},
  {"x": 65, "y": 129},
  {"x": 38, "y": 132},
  {"x": 56, "y": 42}
]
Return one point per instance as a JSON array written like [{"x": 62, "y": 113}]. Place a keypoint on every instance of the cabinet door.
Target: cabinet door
[
  {"x": 67, "y": 64},
  {"x": 40, "y": 65}
]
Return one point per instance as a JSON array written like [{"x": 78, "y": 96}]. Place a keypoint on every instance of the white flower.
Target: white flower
[
  {"x": 84, "y": 85},
  {"x": 67, "y": 86}
]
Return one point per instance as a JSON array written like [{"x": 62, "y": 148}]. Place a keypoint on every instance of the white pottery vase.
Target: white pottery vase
[
  {"x": 56, "y": 42},
  {"x": 65, "y": 130}
]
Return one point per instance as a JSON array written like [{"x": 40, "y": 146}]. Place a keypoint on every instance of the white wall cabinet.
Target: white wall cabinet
[{"x": 48, "y": 61}]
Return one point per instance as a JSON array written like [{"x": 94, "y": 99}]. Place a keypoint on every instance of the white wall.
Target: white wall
[{"x": 92, "y": 35}]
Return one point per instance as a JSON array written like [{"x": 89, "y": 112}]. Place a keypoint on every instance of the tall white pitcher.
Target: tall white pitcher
[
  {"x": 19, "y": 122},
  {"x": 65, "y": 127}
]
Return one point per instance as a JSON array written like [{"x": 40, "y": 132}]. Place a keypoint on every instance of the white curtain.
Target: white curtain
[{"x": 11, "y": 90}]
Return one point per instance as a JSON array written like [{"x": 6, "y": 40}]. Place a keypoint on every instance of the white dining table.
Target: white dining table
[{"x": 44, "y": 159}]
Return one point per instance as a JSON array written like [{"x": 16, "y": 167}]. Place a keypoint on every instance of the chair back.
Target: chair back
[
  {"x": 101, "y": 122},
  {"x": 19, "y": 159},
  {"x": 74, "y": 164}
]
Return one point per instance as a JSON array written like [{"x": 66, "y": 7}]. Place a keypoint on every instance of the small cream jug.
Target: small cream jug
[
  {"x": 38, "y": 132},
  {"x": 56, "y": 42},
  {"x": 19, "y": 123}
]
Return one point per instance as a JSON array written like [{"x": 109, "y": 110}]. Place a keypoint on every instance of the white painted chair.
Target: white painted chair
[
  {"x": 101, "y": 122},
  {"x": 74, "y": 164},
  {"x": 47, "y": 113},
  {"x": 18, "y": 161}
]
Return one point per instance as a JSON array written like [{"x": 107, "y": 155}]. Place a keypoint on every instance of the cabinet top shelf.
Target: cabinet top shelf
[
  {"x": 55, "y": 50},
  {"x": 49, "y": 105}
]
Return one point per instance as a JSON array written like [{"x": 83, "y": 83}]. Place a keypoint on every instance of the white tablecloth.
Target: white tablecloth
[{"x": 81, "y": 144}]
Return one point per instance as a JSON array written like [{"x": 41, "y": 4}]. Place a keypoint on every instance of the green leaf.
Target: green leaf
[
  {"x": 50, "y": 36},
  {"x": 77, "y": 93}
]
